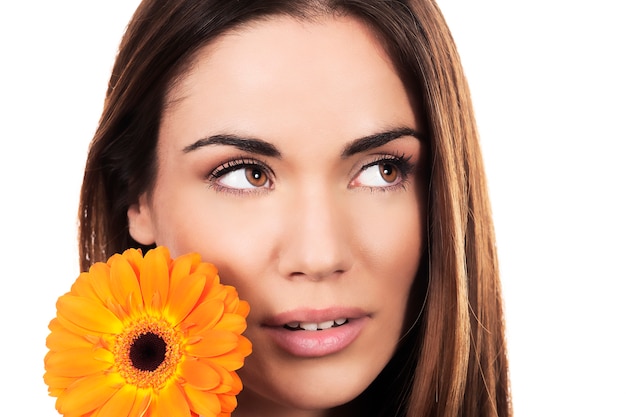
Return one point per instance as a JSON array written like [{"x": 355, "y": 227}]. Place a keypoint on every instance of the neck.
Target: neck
[{"x": 262, "y": 407}]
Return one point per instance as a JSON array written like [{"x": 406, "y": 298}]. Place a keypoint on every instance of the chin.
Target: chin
[
  {"x": 275, "y": 401},
  {"x": 314, "y": 399},
  {"x": 313, "y": 384}
]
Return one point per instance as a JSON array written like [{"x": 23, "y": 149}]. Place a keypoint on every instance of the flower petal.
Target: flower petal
[
  {"x": 233, "y": 360},
  {"x": 213, "y": 285},
  {"x": 214, "y": 289},
  {"x": 82, "y": 286},
  {"x": 61, "y": 338},
  {"x": 143, "y": 399},
  {"x": 245, "y": 346},
  {"x": 120, "y": 404},
  {"x": 184, "y": 297},
  {"x": 232, "y": 299},
  {"x": 154, "y": 278},
  {"x": 228, "y": 403},
  {"x": 207, "y": 269},
  {"x": 237, "y": 385},
  {"x": 182, "y": 266},
  {"x": 243, "y": 309},
  {"x": 228, "y": 382},
  {"x": 231, "y": 322},
  {"x": 134, "y": 258},
  {"x": 125, "y": 284},
  {"x": 204, "y": 403},
  {"x": 88, "y": 314},
  {"x": 57, "y": 382},
  {"x": 88, "y": 393},
  {"x": 99, "y": 274},
  {"x": 199, "y": 375},
  {"x": 171, "y": 402},
  {"x": 204, "y": 316},
  {"x": 213, "y": 343},
  {"x": 78, "y": 362}
]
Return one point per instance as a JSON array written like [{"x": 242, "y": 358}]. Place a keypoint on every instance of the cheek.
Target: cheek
[
  {"x": 391, "y": 234},
  {"x": 234, "y": 237},
  {"x": 392, "y": 240}
]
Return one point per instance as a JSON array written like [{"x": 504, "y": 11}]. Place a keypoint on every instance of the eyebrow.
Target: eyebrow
[
  {"x": 252, "y": 145},
  {"x": 262, "y": 147},
  {"x": 378, "y": 139}
]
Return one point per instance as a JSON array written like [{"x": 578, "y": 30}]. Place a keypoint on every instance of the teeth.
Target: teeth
[
  {"x": 325, "y": 325},
  {"x": 294, "y": 325},
  {"x": 309, "y": 326}
]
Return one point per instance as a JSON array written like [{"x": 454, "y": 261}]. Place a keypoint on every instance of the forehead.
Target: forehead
[
  {"x": 280, "y": 42},
  {"x": 271, "y": 75}
]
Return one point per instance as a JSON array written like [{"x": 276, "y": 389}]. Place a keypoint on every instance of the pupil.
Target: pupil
[
  {"x": 389, "y": 172},
  {"x": 148, "y": 352},
  {"x": 255, "y": 176}
]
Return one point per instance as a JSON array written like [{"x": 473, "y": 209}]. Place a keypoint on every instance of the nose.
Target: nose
[{"x": 316, "y": 242}]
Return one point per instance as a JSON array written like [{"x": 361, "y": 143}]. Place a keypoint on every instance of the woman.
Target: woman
[{"x": 324, "y": 155}]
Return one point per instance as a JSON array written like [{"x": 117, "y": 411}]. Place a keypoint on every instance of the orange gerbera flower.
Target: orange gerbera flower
[{"x": 147, "y": 336}]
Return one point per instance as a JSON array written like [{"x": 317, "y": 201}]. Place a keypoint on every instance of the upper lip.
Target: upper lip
[{"x": 314, "y": 315}]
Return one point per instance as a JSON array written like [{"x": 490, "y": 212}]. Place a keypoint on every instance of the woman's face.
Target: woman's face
[{"x": 289, "y": 157}]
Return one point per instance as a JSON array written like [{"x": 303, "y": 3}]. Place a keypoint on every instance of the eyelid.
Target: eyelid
[
  {"x": 402, "y": 163},
  {"x": 235, "y": 164},
  {"x": 386, "y": 157},
  {"x": 401, "y": 159}
]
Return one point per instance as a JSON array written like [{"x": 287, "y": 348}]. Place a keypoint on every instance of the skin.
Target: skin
[{"x": 318, "y": 226}]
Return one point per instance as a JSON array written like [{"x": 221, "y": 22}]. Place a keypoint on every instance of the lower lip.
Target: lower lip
[{"x": 313, "y": 344}]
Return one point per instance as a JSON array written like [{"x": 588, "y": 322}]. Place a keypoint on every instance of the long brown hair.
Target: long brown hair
[{"x": 453, "y": 360}]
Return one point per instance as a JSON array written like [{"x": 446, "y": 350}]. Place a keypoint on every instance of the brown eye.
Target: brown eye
[
  {"x": 381, "y": 174},
  {"x": 388, "y": 172},
  {"x": 256, "y": 176},
  {"x": 242, "y": 175}
]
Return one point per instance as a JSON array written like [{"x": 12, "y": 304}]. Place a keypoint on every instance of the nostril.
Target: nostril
[
  {"x": 314, "y": 244},
  {"x": 317, "y": 274}
]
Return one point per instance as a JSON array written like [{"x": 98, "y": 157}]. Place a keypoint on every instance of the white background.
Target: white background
[{"x": 548, "y": 82}]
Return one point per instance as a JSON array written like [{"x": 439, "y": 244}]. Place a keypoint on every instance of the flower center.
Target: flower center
[{"x": 148, "y": 352}]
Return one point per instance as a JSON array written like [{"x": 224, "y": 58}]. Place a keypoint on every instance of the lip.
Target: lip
[{"x": 318, "y": 343}]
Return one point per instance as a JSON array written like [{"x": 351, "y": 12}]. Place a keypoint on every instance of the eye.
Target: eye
[
  {"x": 379, "y": 174},
  {"x": 241, "y": 175},
  {"x": 245, "y": 177}
]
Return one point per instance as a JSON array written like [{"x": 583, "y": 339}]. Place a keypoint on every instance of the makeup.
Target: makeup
[{"x": 316, "y": 333}]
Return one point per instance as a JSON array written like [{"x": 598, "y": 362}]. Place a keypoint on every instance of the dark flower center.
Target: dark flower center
[{"x": 148, "y": 351}]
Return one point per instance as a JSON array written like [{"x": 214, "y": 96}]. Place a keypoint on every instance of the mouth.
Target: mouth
[
  {"x": 311, "y": 326},
  {"x": 308, "y": 333}
]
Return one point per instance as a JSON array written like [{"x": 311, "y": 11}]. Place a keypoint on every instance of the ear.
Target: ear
[{"x": 140, "y": 225}]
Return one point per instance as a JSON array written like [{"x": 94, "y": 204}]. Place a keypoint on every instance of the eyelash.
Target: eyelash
[
  {"x": 400, "y": 161},
  {"x": 234, "y": 165}
]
